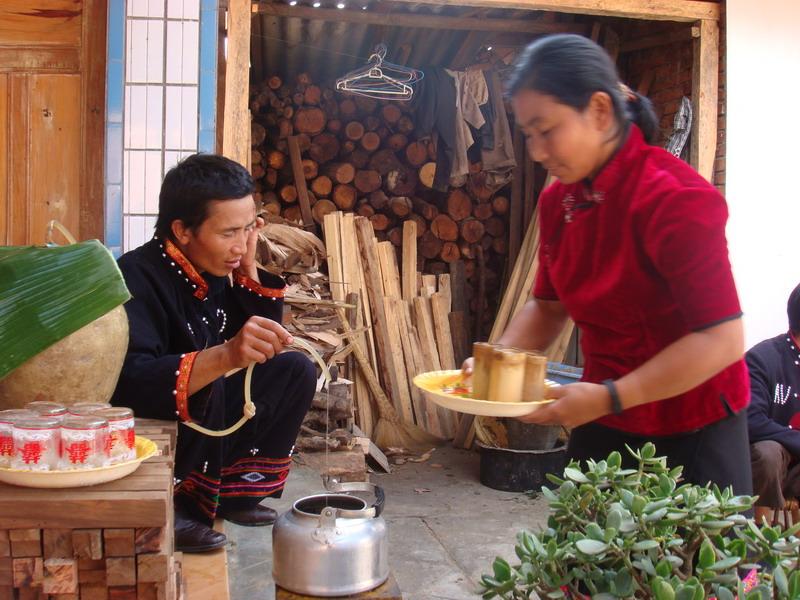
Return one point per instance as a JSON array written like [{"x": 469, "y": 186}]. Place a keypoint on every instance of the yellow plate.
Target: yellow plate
[
  {"x": 80, "y": 478},
  {"x": 449, "y": 390}
]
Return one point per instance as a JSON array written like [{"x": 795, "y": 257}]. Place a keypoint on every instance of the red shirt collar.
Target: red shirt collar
[{"x": 618, "y": 166}]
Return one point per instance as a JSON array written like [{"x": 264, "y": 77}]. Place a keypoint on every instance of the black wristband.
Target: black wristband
[{"x": 616, "y": 404}]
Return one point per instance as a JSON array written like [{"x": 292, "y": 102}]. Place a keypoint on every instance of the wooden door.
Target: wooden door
[{"x": 52, "y": 97}]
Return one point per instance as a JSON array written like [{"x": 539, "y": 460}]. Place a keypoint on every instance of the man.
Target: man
[
  {"x": 774, "y": 414},
  {"x": 201, "y": 309}
]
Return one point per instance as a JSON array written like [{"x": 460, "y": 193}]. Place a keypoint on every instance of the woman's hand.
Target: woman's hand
[
  {"x": 467, "y": 366},
  {"x": 247, "y": 266},
  {"x": 574, "y": 404}
]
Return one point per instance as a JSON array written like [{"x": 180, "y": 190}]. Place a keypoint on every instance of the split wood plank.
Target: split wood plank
[
  {"x": 387, "y": 257},
  {"x": 443, "y": 287},
  {"x": 444, "y": 345},
  {"x": 300, "y": 181},
  {"x": 705, "y": 91},
  {"x": 431, "y": 413},
  {"x": 361, "y": 393},
  {"x": 331, "y": 227},
  {"x": 428, "y": 285},
  {"x": 424, "y": 323},
  {"x": 409, "y": 259},
  {"x": 396, "y": 331},
  {"x": 392, "y": 372},
  {"x": 517, "y": 198}
]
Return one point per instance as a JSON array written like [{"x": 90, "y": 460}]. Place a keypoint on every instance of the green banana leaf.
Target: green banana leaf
[{"x": 47, "y": 293}]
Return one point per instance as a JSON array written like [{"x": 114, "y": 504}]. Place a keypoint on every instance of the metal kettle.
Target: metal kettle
[{"x": 332, "y": 544}]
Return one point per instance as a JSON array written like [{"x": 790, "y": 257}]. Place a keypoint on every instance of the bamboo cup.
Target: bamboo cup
[
  {"x": 535, "y": 370},
  {"x": 482, "y": 353},
  {"x": 507, "y": 375}
]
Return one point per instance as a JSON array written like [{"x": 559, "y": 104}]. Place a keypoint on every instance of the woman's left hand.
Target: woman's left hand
[
  {"x": 574, "y": 404},
  {"x": 247, "y": 266}
]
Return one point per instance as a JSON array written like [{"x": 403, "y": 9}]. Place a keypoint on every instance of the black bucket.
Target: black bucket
[{"x": 520, "y": 470}]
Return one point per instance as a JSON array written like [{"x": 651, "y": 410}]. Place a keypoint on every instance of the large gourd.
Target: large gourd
[{"x": 63, "y": 330}]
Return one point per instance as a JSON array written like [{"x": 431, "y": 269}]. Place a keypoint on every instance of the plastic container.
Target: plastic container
[
  {"x": 7, "y": 418},
  {"x": 47, "y": 409},
  {"x": 36, "y": 443},
  {"x": 120, "y": 443},
  {"x": 83, "y": 442}
]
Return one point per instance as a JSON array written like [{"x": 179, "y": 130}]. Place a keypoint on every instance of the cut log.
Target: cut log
[
  {"x": 365, "y": 208},
  {"x": 450, "y": 252},
  {"x": 347, "y": 109},
  {"x": 271, "y": 178},
  {"x": 472, "y": 230},
  {"x": 426, "y": 174},
  {"x": 476, "y": 184},
  {"x": 347, "y": 147},
  {"x": 495, "y": 227},
  {"x": 321, "y": 208},
  {"x": 379, "y": 200},
  {"x": 396, "y": 141},
  {"x": 482, "y": 211},
  {"x": 288, "y": 193},
  {"x": 322, "y": 186},
  {"x": 344, "y": 196},
  {"x": 303, "y": 79},
  {"x": 257, "y": 134},
  {"x": 427, "y": 210},
  {"x": 444, "y": 228},
  {"x": 367, "y": 181},
  {"x": 312, "y": 95},
  {"x": 292, "y": 213},
  {"x": 372, "y": 123},
  {"x": 366, "y": 104},
  {"x": 422, "y": 224},
  {"x": 383, "y": 133},
  {"x": 334, "y": 125},
  {"x": 384, "y": 161},
  {"x": 391, "y": 113},
  {"x": 285, "y": 128},
  {"x": 500, "y": 205},
  {"x": 500, "y": 246},
  {"x": 396, "y": 236},
  {"x": 380, "y": 222},
  {"x": 310, "y": 168},
  {"x": 400, "y": 206},
  {"x": 310, "y": 120},
  {"x": 303, "y": 142},
  {"x": 340, "y": 172},
  {"x": 258, "y": 171},
  {"x": 359, "y": 158},
  {"x": 429, "y": 245},
  {"x": 354, "y": 130},
  {"x": 459, "y": 205},
  {"x": 276, "y": 160},
  {"x": 401, "y": 182},
  {"x": 274, "y": 82},
  {"x": 371, "y": 141},
  {"x": 324, "y": 148},
  {"x": 416, "y": 153},
  {"x": 288, "y": 112},
  {"x": 256, "y": 157},
  {"x": 297, "y": 98},
  {"x": 405, "y": 124},
  {"x": 271, "y": 204}
]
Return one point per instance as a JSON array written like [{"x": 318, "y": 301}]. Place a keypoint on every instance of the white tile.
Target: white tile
[
  {"x": 154, "y": 116},
  {"x": 156, "y": 8},
  {"x": 137, "y": 52},
  {"x": 135, "y": 177},
  {"x": 150, "y": 226},
  {"x": 174, "y": 9},
  {"x": 152, "y": 183},
  {"x": 155, "y": 51},
  {"x": 191, "y": 51},
  {"x": 189, "y": 121},
  {"x": 127, "y": 118},
  {"x": 126, "y": 194},
  {"x": 128, "y": 47},
  {"x": 136, "y": 117},
  {"x": 172, "y": 121},
  {"x": 175, "y": 52},
  {"x": 138, "y": 8},
  {"x": 191, "y": 9},
  {"x": 171, "y": 158},
  {"x": 136, "y": 232}
]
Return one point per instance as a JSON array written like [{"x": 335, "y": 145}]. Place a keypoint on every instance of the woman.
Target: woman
[{"x": 632, "y": 249}]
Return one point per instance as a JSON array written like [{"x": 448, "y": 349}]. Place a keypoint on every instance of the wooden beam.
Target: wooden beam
[
  {"x": 300, "y": 182},
  {"x": 705, "y": 91},
  {"x": 654, "y": 10},
  {"x": 653, "y": 41},
  {"x": 236, "y": 135},
  {"x": 415, "y": 20}
]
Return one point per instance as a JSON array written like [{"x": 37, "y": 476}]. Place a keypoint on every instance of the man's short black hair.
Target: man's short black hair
[
  {"x": 793, "y": 310},
  {"x": 189, "y": 186}
]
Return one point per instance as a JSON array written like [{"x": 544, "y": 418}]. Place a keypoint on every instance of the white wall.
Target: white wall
[{"x": 763, "y": 158}]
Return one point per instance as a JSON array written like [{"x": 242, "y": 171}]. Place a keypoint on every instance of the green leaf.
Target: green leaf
[
  {"x": 648, "y": 451},
  {"x": 779, "y": 577},
  {"x": 664, "y": 568},
  {"x": 49, "y": 293},
  {"x": 591, "y": 547},
  {"x": 724, "y": 593},
  {"x": 627, "y": 497},
  {"x": 623, "y": 582},
  {"x": 656, "y": 516},
  {"x": 575, "y": 475},
  {"x": 794, "y": 584},
  {"x": 615, "y": 460},
  {"x": 502, "y": 570},
  {"x": 638, "y": 505},
  {"x": 706, "y": 556},
  {"x": 595, "y": 532},
  {"x": 645, "y": 545},
  {"x": 725, "y": 563},
  {"x": 662, "y": 590},
  {"x": 614, "y": 519}
]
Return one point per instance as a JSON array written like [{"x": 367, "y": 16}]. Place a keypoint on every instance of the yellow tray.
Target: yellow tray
[
  {"x": 449, "y": 390},
  {"x": 80, "y": 478}
]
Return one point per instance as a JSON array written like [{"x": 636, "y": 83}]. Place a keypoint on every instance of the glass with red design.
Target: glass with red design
[
  {"x": 83, "y": 442},
  {"x": 7, "y": 418},
  {"x": 36, "y": 443},
  {"x": 120, "y": 443}
]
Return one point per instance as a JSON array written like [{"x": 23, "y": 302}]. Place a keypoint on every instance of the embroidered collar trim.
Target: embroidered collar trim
[{"x": 185, "y": 269}]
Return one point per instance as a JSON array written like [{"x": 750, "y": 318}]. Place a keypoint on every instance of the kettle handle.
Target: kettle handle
[{"x": 332, "y": 485}]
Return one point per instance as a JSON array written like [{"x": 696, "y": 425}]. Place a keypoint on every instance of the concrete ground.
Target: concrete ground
[{"x": 445, "y": 528}]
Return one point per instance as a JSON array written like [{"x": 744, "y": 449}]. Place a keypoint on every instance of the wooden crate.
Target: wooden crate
[{"x": 112, "y": 541}]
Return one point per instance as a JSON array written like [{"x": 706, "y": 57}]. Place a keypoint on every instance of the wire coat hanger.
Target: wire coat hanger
[{"x": 380, "y": 79}]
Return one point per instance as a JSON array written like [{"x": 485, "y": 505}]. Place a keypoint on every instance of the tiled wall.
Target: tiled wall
[{"x": 168, "y": 110}]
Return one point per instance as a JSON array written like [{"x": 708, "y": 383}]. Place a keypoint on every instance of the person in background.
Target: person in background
[
  {"x": 200, "y": 309},
  {"x": 773, "y": 417},
  {"x": 632, "y": 249}
]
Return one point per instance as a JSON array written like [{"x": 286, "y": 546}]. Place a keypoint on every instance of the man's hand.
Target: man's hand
[
  {"x": 247, "y": 266},
  {"x": 574, "y": 404},
  {"x": 258, "y": 340}
]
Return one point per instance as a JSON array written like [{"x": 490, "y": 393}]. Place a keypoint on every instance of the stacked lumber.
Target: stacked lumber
[
  {"x": 400, "y": 324},
  {"x": 112, "y": 540},
  {"x": 316, "y": 151}
]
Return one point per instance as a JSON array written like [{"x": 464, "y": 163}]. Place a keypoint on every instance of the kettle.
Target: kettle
[{"x": 332, "y": 544}]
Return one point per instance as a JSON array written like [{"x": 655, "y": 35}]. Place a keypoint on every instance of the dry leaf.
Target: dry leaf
[{"x": 421, "y": 490}]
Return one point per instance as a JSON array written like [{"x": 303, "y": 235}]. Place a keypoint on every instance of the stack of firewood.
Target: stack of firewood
[{"x": 362, "y": 155}]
